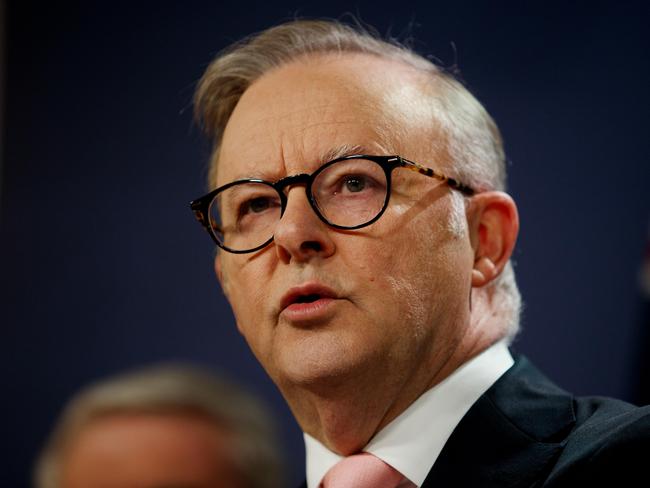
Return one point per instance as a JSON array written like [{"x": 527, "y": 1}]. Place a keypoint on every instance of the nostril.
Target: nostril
[{"x": 311, "y": 246}]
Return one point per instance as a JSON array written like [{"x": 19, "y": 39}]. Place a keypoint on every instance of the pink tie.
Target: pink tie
[{"x": 361, "y": 471}]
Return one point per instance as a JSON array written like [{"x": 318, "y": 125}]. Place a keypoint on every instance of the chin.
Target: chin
[
  {"x": 322, "y": 357},
  {"x": 317, "y": 369}
]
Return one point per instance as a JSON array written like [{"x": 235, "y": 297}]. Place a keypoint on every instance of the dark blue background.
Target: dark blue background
[{"x": 104, "y": 268}]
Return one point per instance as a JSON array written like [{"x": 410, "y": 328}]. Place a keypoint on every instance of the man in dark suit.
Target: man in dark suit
[{"x": 365, "y": 239}]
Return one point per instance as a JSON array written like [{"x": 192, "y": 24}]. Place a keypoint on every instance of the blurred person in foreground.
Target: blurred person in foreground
[
  {"x": 167, "y": 426},
  {"x": 364, "y": 241}
]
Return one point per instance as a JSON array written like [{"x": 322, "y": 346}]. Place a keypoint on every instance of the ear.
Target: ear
[
  {"x": 218, "y": 268},
  {"x": 494, "y": 225}
]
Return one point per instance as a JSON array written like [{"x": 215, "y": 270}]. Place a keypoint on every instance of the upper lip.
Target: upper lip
[{"x": 296, "y": 292}]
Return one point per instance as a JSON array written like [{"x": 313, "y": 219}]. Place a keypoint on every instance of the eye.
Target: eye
[
  {"x": 257, "y": 210},
  {"x": 256, "y": 205},
  {"x": 243, "y": 206},
  {"x": 354, "y": 183},
  {"x": 347, "y": 180}
]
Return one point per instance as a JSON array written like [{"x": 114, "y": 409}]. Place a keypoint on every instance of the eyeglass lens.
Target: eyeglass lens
[{"x": 348, "y": 193}]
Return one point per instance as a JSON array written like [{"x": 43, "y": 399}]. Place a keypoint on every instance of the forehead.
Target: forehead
[
  {"x": 297, "y": 116},
  {"x": 146, "y": 450}
]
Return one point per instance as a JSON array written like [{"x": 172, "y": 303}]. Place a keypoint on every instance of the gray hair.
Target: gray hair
[
  {"x": 473, "y": 140},
  {"x": 172, "y": 389}
]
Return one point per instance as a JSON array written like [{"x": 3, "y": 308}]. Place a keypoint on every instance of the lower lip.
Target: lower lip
[{"x": 302, "y": 312}]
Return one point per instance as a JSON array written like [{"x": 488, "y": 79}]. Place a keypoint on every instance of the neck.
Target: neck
[
  {"x": 345, "y": 414},
  {"x": 346, "y": 420}
]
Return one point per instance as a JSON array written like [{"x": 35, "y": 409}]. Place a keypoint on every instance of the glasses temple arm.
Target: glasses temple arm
[{"x": 423, "y": 170}]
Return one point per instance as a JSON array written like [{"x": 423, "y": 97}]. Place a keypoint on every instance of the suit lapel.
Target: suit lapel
[{"x": 511, "y": 435}]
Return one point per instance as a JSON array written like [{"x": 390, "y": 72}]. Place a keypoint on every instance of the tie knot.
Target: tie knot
[{"x": 361, "y": 471}]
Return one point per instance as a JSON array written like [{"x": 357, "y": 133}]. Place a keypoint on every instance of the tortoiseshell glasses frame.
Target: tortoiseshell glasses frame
[{"x": 202, "y": 206}]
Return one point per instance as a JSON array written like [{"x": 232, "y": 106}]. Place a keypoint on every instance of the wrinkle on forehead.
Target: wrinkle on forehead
[{"x": 305, "y": 113}]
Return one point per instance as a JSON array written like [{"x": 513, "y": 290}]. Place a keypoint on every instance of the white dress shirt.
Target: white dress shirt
[{"x": 412, "y": 442}]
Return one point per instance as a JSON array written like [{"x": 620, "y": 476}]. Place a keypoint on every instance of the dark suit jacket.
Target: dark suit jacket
[{"x": 527, "y": 432}]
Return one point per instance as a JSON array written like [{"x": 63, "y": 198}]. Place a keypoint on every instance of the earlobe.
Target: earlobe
[
  {"x": 495, "y": 229},
  {"x": 484, "y": 271}
]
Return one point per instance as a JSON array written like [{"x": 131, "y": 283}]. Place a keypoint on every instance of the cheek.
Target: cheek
[
  {"x": 424, "y": 269},
  {"x": 416, "y": 269},
  {"x": 392, "y": 273},
  {"x": 241, "y": 286}
]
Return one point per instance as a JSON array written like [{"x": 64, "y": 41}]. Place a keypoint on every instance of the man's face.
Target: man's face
[
  {"x": 391, "y": 298},
  {"x": 150, "y": 451}
]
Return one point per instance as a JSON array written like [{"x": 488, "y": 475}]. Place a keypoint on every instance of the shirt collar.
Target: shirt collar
[{"x": 412, "y": 442}]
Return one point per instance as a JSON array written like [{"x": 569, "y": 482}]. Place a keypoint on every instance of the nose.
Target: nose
[{"x": 300, "y": 235}]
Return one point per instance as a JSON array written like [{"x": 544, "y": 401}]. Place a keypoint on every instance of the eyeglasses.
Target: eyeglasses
[{"x": 349, "y": 193}]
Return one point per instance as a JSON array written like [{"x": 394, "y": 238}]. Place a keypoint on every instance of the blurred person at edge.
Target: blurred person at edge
[
  {"x": 161, "y": 427},
  {"x": 364, "y": 241}
]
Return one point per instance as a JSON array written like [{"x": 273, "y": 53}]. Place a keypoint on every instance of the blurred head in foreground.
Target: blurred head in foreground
[{"x": 161, "y": 427}]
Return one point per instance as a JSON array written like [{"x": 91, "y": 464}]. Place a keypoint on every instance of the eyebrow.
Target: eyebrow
[
  {"x": 329, "y": 155},
  {"x": 342, "y": 151}
]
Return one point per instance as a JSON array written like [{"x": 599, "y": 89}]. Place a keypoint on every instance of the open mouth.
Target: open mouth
[
  {"x": 306, "y": 294},
  {"x": 307, "y": 298}
]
